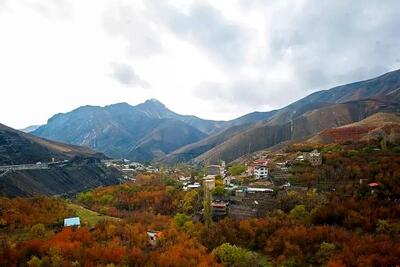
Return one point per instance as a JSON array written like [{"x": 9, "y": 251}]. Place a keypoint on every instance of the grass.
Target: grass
[{"x": 88, "y": 217}]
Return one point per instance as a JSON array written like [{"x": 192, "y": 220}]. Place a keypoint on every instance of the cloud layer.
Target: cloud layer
[{"x": 214, "y": 59}]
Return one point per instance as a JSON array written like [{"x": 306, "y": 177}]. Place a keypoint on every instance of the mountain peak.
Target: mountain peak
[{"x": 153, "y": 101}]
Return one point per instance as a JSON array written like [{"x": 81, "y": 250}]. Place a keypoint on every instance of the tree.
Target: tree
[
  {"x": 300, "y": 213},
  {"x": 34, "y": 262},
  {"x": 207, "y": 208},
  {"x": 237, "y": 169},
  {"x": 233, "y": 256},
  {"x": 38, "y": 230},
  {"x": 189, "y": 201},
  {"x": 325, "y": 252},
  {"x": 181, "y": 219},
  {"x": 218, "y": 191}
]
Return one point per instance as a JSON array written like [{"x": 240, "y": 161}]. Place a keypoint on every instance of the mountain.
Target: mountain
[
  {"x": 143, "y": 132},
  {"x": 373, "y": 127},
  {"x": 17, "y": 147},
  {"x": 321, "y": 110},
  {"x": 66, "y": 180},
  {"x": 80, "y": 172},
  {"x": 191, "y": 151},
  {"x": 165, "y": 138},
  {"x": 30, "y": 129}
]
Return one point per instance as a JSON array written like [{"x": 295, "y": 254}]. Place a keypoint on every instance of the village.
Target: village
[
  {"x": 251, "y": 191},
  {"x": 251, "y": 188}
]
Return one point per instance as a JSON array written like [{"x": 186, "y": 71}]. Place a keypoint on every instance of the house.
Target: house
[
  {"x": 374, "y": 186},
  {"x": 315, "y": 158},
  {"x": 253, "y": 190},
  {"x": 72, "y": 222},
  {"x": 191, "y": 187},
  {"x": 261, "y": 172},
  {"x": 219, "y": 208},
  {"x": 259, "y": 169},
  {"x": 153, "y": 237}
]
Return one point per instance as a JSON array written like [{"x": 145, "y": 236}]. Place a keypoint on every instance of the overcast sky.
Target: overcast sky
[{"x": 214, "y": 59}]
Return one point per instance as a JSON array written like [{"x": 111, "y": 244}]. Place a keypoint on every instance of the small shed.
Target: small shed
[{"x": 72, "y": 222}]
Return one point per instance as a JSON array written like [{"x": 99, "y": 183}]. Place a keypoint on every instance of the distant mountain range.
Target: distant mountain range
[
  {"x": 150, "y": 131},
  {"x": 144, "y": 132}
]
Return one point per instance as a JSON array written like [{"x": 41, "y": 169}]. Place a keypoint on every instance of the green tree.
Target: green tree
[
  {"x": 300, "y": 213},
  {"x": 237, "y": 169},
  {"x": 86, "y": 198},
  {"x": 234, "y": 256},
  {"x": 181, "y": 219},
  {"x": 189, "y": 201},
  {"x": 218, "y": 191}
]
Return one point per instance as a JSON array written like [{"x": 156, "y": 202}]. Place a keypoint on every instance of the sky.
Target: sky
[{"x": 213, "y": 59}]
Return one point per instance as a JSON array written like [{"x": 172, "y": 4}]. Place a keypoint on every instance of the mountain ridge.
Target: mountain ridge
[{"x": 119, "y": 129}]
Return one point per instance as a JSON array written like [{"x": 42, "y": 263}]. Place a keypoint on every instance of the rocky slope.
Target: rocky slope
[
  {"x": 67, "y": 180},
  {"x": 21, "y": 148},
  {"x": 375, "y": 126},
  {"x": 76, "y": 168}
]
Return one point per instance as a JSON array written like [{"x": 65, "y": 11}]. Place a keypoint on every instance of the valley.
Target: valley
[{"x": 313, "y": 184}]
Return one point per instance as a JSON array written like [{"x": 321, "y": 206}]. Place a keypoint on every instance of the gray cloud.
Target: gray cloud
[
  {"x": 332, "y": 42},
  {"x": 309, "y": 45},
  {"x": 321, "y": 44},
  {"x": 125, "y": 75},
  {"x": 206, "y": 28}
]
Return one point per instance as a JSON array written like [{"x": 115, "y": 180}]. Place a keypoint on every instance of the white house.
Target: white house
[{"x": 261, "y": 172}]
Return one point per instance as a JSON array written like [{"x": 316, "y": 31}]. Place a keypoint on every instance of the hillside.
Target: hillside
[
  {"x": 79, "y": 170},
  {"x": 21, "y": 148},
  {"x": 165, "y": 138},
  {"x": 67, "y": 180},
  {"x": 373, "y": 127},
  {"x": 194, "y": 150},
  {"x": 309, "y": 116}
]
